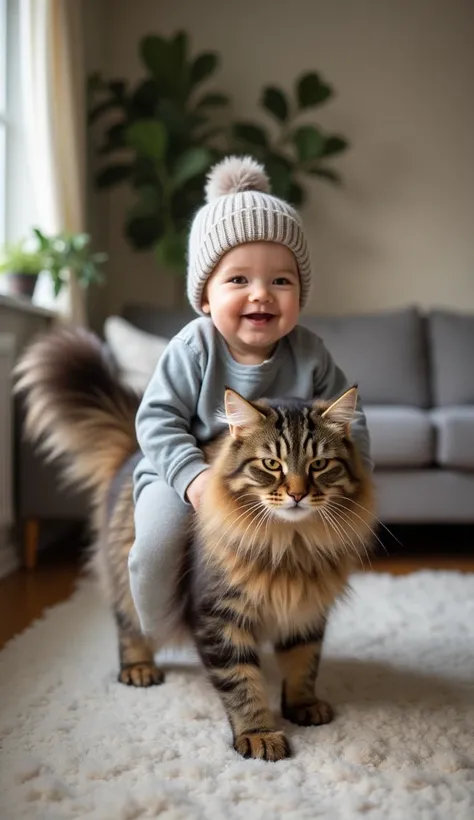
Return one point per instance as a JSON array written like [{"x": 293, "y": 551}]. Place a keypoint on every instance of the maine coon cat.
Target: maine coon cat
[{"x": 287, "y": 514}]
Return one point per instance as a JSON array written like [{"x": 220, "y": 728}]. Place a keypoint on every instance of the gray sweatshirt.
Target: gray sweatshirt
[{"x": 184, "y": 400}]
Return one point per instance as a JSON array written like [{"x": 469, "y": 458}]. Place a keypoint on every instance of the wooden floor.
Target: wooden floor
[{"x": 25, "y": 595}]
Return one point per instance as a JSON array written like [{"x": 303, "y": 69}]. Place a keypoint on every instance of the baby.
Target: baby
[{"x": 249, "y": 275}]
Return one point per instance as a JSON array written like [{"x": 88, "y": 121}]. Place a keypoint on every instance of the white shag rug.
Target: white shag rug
[{"x": 398, "y": 665}]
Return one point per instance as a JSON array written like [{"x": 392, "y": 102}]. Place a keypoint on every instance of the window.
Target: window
[{"x": 3, "y": 117}]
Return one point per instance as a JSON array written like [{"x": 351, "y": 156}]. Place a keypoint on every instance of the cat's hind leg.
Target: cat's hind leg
[{"x": 136, "y": 655}]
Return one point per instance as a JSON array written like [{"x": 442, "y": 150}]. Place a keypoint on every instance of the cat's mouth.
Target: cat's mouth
[{"x": 293, "y": 513}]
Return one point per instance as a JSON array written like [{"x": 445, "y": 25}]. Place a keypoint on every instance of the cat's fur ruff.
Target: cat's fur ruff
[{"x": 255, "y": 567}]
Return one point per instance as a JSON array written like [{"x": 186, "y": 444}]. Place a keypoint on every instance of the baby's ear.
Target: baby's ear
[
  {"x": 241, "y": 414},
  {"x": 342, "y": 410}
]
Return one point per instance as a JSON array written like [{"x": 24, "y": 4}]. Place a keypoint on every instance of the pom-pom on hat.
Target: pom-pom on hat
[{"x": 240, "y": 208}]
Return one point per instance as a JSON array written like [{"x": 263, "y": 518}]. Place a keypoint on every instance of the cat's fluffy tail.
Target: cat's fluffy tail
[{"x": 76, "y": 407}]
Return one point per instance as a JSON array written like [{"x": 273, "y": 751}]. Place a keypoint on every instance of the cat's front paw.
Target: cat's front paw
[
  {"x": 263, "y": 745},
  {"x": 308, "y": 714},
  {"x": 140, "y": 674}
]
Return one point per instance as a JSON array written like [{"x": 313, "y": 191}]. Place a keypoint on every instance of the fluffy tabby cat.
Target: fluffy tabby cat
[{"x": 287, "y": 513}]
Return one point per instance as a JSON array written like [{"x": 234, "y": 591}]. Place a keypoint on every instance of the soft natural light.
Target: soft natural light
[{"x": 3, "y": 113}]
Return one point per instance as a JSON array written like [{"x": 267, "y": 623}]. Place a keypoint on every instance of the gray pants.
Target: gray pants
[{"x": 154, "y": 563}]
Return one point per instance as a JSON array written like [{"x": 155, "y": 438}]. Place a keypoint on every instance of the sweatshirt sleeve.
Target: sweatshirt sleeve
[
  {"x": 329, "y": 383},
  {"x": 164, "y": 417}
]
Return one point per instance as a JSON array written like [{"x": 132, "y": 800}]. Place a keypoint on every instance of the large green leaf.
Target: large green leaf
[
  {"x": 179, "y": 47},
  {"x": 309, "y": 142},
  {"x": 311, "y": 90},
  {"x": 174, "y": 117},
  {"x": 143, "y": 231},
  {"x": 202, "y": 67},
  {"x": 113, "y": 175},
  {"x": 144, "y": 100},
  {"x": 334, "y": 145},
  {"x": 144, "y": 172},
  {"x": 274, "y": 100},
  {"x": 114, "y": 139},
  {"x": 148, "y": 201},
  {"x": 326, "y": 173},
  {"x": 170, "y": 252},
  {"x": 147, "y": 137},
  {"x": 166, "y": 61},
  {"x": 279, "y": 170},
  {"x": 296, "y": 195},
  {"x": 253, "y": 134},
  {"x": 154, "y": 51},
  {"x": 193, "y": 162}
]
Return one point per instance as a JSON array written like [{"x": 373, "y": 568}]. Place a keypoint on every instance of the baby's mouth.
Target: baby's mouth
[{"x": 259, "y": 318}]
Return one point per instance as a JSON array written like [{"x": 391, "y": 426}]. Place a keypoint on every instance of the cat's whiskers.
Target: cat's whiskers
[
  {"x": 247, "y": 512},
  {"x": 353, "y": 512},
  {"x": 338, "y": 530},
  {"x": 320, "y": 511},
  {"x": 342, "y": 513},
  {"x": 265, "y": 518},
  {"x": 260, "y": 515},
  {"x": 351, "y": 500}
]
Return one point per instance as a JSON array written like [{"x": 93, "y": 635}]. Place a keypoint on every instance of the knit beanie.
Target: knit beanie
[{"x": 240, "y": 208}]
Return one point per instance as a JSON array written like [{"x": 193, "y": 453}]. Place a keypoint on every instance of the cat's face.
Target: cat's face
[{"x": 290, "y": 458}]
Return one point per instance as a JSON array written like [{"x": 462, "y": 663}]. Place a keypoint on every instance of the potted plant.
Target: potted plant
[
  {"x": 66, "y": 254},
  {"x": 21, "y": 264},
  {"x": 61, "y": 255},
  {"x": 162, "y": 135}
]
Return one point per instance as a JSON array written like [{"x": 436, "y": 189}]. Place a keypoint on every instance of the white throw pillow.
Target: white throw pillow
[{"x": 135, "y": 351}]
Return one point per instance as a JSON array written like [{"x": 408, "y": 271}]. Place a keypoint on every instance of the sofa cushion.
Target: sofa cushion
[
  {"x": 451, "y": 337},
  {"x": 135, "y": 352},
  {"x": 455, "y": 437},
  {"x": 384, "y": 353},
  {"x": 400, "y": 436}
]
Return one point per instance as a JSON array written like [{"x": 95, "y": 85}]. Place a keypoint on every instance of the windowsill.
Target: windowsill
[{"x": 24, "y": 305}]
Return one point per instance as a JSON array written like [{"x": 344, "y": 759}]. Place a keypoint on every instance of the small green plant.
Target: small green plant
[
  {"x": 18, "y": 257},
  {"x": 163, "y": 134},
  {"x": 59, "y": 255},
  {"x": 66, "y": 253}
]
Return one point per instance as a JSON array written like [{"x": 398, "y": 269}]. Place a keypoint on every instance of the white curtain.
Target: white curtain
[{"x": 53, "y": 92}]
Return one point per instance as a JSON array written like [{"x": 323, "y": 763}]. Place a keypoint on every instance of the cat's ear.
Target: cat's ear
[
  {"x": 241, "y": 415},
  {"x": 342, "y": 410}
]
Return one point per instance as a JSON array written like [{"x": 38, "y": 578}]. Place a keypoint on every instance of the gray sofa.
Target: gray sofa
[{"x": 416, "y": 378}]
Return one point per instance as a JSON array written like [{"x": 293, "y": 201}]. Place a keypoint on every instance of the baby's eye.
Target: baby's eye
[
  {"x": 281, "y": 280},
  {"x": 318, "y": 464},
  {"x": 271, "y": 464},
  {"x": 238, "y": 280}
]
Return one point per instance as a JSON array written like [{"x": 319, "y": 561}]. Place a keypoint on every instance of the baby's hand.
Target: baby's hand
[{"x": 196, "y": 488}]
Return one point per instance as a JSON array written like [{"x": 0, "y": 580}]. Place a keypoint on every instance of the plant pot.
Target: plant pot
[{"x": 22, "y": 284}]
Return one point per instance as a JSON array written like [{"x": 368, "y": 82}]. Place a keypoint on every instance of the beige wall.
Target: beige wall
[{"x": 402, "y": 229}]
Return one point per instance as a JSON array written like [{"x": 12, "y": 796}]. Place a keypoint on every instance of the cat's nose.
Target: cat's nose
[{"x": 297, "y": 496}]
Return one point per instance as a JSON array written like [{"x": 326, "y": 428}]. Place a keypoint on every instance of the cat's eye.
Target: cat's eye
[
  {"x": 318, "y": 464},
  {"x": 271, "y": 464}
]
